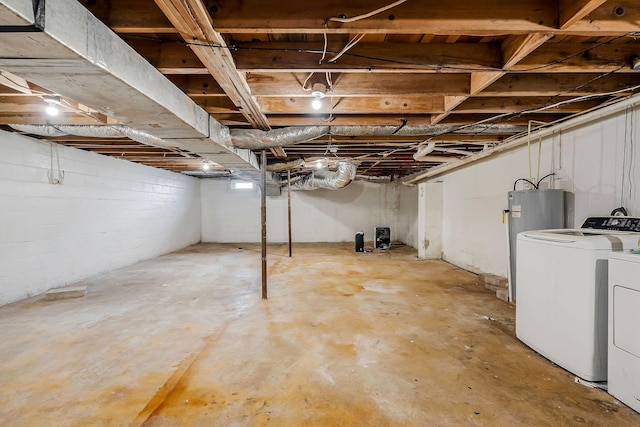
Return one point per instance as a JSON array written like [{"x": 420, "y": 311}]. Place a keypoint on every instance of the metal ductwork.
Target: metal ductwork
[
  {"x": 256, "y": 139},
  {"x": 95, "y": 131},
  {"x": 344, "y": 176}
]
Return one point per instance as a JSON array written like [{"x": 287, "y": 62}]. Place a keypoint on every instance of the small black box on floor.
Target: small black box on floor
[
  {"x": 383, "y": 237},
  {"x": 360, "y": 241}
]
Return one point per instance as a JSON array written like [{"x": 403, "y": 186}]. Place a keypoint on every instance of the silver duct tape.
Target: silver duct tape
[{"x": 344, "y": 176}]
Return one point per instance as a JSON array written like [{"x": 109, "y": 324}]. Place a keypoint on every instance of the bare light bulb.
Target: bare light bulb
[
  {"x": 206, "y": 166},
  {"x": 52, "y": 110},
  {"x": 318, "y": 91}
]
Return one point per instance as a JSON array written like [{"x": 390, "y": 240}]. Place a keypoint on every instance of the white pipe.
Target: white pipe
[
  {"x": 422, "y": 152},
  {"x": 542, "y": 133}
]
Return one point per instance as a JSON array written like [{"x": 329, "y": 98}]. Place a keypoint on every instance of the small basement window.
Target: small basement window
[{"x": 241, "y": 185}]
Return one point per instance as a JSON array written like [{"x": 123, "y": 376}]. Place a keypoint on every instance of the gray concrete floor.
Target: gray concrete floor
[{"x": 376, "y": 339}]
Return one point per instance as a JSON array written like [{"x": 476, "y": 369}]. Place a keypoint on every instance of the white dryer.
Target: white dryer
[
  {"x": 562, "y": 275},
  {"x": 624, "y": 319}
]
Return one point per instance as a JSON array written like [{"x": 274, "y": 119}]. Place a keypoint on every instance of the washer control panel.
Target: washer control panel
[{"x": 617, "y": 223}]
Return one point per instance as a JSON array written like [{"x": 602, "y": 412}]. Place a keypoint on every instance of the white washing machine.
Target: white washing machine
[
  {"x": 562, "y": 275},
  {"x": 624, "y": 319}
]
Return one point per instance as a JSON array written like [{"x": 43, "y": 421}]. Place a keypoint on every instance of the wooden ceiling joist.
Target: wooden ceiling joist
[
  {"x": 540, "y": 84},
  {"x": 512, "y": 104},
  {"x": 453, "y": 63},
  {"x": 571, "y": 11},
  {"x": 203, "y": 85},
  {"x": 130, "y": 16},
  {"x": 407, "y": 104},
  {"x": 369, "y": 57},
  {"x": 192, "y": 20},
  {"x": 457, "y": 17},
  {"x": 432, "y": 58},
  {"x": 376, "y": 85}
]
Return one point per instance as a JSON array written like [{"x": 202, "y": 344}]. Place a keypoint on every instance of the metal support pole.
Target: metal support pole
[
  {"x": 289, "y": 201},
  {"x": 263, "y": 209}
]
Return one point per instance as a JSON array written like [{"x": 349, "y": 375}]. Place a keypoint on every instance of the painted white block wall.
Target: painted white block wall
[
  {"x": 597, "y": 162},
  {"x": 108, "y": 213},
  {"x": 407, "y": 215},
  {"x": 430, "y": 209},
  {"x": 317, "y": 216}
]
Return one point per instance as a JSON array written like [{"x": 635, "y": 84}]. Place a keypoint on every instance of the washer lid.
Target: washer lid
[
  {"x": 584, "y": 238},
  {"x": 629, "y": 256}
]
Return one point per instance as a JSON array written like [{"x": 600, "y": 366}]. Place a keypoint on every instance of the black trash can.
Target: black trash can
[{"x": 360, "y": 241}]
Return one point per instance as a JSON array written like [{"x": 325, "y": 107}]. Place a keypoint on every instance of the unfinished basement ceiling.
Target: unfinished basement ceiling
[{"x": 467, "y": 75}]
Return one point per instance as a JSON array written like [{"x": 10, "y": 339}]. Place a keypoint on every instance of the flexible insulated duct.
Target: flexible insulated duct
[
  {"x": 344, "y": 176},
  {"x": 257, "y": 139},
  {"x": 95, "y": 131}
]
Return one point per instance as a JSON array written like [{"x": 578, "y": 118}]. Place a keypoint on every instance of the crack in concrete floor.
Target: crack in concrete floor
[{"x": 375, "y": 339}]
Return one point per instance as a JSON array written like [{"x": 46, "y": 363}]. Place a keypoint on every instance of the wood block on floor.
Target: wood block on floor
[
  {"x": 503, "y": 294},
  {"x": 64, "y": 293},
  {"x": 493, "y": 282}
]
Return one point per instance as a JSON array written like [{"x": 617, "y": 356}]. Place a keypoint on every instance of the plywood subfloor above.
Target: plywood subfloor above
[{"x": 376, "y": 339}]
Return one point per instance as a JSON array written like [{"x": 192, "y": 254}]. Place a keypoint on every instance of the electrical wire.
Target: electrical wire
[
  {"x": 582, "y": 52},
  {"x": 324, "y": 50},
  {"x": 543, "y": 178},
  {"x": 348, "y": 46},
  {"x": 500, "y": 116},
  {"x": 436, "y": 67},
  {"x": 509, "y": 115},
  {"x": 366, "y": 15},
  {"x": 327, "y": 76},
  {"x": 535, "y": 187},
  {"x": 304, "y": 84}
]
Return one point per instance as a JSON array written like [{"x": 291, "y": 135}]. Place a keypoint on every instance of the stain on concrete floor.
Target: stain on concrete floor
[{"x": 345, "y": 339}]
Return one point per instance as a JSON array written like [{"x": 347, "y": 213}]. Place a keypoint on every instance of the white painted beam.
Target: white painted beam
[{"x": 80, "y": 58}]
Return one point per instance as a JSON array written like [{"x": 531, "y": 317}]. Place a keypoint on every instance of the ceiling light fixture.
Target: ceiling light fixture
[
  {"x": 52, "y": 102},
  {"x": 319, "y": 91},
  {"x": 206, "y": 165}
]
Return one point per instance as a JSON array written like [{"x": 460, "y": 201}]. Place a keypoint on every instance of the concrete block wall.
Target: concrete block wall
[
  {"x": 108, "y": 213},
  {"x": 317, "y": 216},
  {"x": 407, "y": 215},
  {"x": 596, "y": 161}
]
